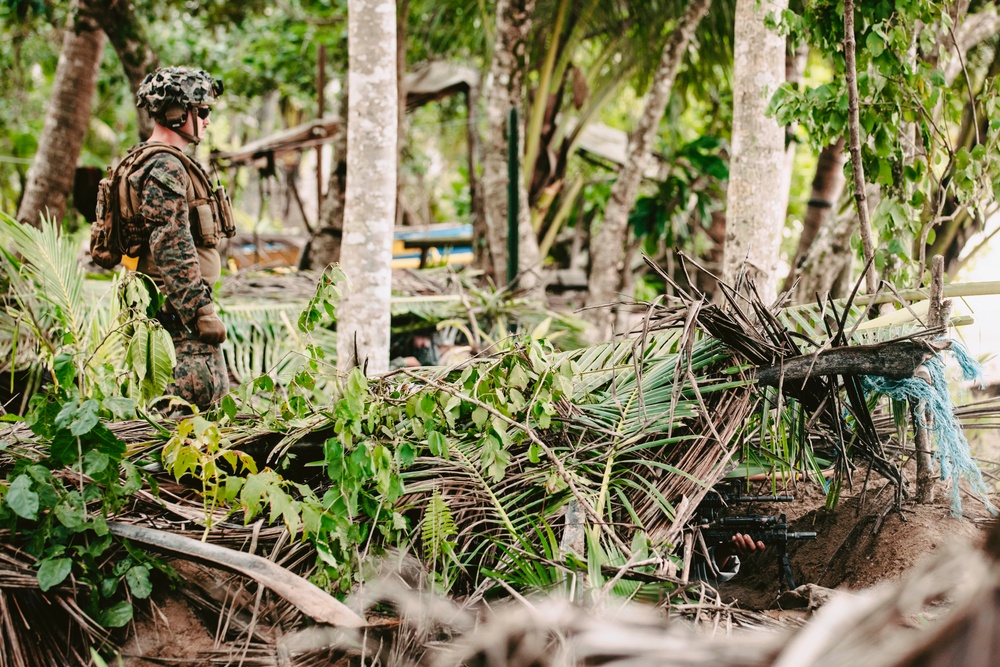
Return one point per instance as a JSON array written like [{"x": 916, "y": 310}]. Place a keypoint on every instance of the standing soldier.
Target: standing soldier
[{"x": 177, "y": 220}]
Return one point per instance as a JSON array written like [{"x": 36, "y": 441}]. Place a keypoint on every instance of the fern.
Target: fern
[{"x": 438, "y": 526}]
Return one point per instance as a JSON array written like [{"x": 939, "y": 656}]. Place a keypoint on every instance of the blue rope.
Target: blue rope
[{"x": 952, "y": 453}]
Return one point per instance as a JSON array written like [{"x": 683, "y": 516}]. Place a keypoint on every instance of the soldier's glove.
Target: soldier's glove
[{"x": 210, "y": 328}]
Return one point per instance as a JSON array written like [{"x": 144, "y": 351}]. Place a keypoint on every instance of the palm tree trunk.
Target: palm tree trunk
[
  {"x": 370, "y": 201},
  {"x": 126, "y": 34},
  {"x": 608, "y": 248},
  {"x": 507, "y": 90},
  {"x": 755, "y": 209},
  {"x": 827, "y": 186},
  {"x": 50, "y": 178}
]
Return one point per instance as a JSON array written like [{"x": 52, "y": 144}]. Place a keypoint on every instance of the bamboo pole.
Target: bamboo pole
[{"x": 953, "y": 291}]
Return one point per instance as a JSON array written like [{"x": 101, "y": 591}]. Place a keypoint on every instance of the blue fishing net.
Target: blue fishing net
[{"x": 952, "y": 449}]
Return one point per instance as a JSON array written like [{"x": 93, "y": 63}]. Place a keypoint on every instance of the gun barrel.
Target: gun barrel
[
  {"x": 747, "y": 521},
  {"x": 762, "y": 499},
  {"x": 804, "y": 535},
  {"x": 766, "y": 534}
]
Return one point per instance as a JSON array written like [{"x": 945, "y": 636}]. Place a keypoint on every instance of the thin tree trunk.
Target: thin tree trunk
[
  {"x": 851, "y": 75},
  {"x": 128, "y": 37},
  {"x": 480, "y": 235},
  {"x": 754, "y": 215},
  {"x": 937, "y": 315},
  {"x": 50, "y": 178},
  {"x": 323, "y": 248},
  {"x": 827, "y": 186},
  {"x": 370, "y": 201},
  {"x": 608, "y": 248},
  {"x": 795, "y": 65},
  {"x": 506, "y": 90},
  {"x": 826, "y": 267}
]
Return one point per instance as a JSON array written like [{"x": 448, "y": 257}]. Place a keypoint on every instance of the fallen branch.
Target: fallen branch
[
  {"x": 895, "y": 360},
  {"x": 307, "y": 597}
]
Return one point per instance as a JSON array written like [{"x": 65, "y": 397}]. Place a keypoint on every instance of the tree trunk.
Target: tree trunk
[
  {"x": 370, "y": 201},
  {"x": 825, "y": 269},
  {"x": 323, "y": 248},
  {"x": 827, "y": 186},
  {"x": 50, "y": 178},
  {"x": 127, "y": 36},
  {"x": 480, "y": 235},
  {"x": 506, "y": 90},
  {"x": 755, "y": 206},
  {"x": 608, "y": 248},
  {"x": 854, "y": 126}
]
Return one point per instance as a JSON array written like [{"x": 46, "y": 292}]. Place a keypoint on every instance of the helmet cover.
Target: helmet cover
[{"x": 184, "y": 87}]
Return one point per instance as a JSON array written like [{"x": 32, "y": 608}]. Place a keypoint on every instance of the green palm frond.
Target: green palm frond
[{"x": 50, "y": 263}]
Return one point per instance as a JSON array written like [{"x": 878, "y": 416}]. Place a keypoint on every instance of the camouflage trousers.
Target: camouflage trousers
[{"x": 200, "y": 376}]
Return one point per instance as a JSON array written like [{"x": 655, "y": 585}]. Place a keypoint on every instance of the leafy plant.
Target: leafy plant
[
  {"x": 197, "y": 449},
  {"x": 59, "y": 502},
  {"x": 927, "y": 135}
]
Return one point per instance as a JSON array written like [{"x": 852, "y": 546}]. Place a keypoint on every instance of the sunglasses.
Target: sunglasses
[{"x": 203, "y": 112}]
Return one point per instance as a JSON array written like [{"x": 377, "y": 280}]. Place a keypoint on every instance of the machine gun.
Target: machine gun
[{"x": 769, "y": 529}]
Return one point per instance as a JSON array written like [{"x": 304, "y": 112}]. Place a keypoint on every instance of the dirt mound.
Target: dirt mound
[
  {"x": 863, "y": 542},
  {"x": 170, "y": 633}
]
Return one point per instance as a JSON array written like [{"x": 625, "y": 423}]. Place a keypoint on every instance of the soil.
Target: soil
[
  {"x": 863, "y": 542},
  {"x": 169, "y": 632}
]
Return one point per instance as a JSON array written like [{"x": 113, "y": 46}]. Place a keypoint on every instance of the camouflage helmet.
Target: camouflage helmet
[{"x": 183, "y": 87}]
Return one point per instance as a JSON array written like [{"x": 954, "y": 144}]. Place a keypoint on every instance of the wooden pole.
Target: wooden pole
[{"x": 953, "y": 291}]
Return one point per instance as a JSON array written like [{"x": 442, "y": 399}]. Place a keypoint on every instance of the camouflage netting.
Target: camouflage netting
[{"x": 177, "y": 86}]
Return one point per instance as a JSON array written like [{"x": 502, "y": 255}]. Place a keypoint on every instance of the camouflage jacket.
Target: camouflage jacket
[{"x": 161, "y": 182}]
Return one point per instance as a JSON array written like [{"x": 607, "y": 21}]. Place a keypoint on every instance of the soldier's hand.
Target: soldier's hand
[
  {"x": 210, "y": 328},
  {"x": 741, "y": 544}
]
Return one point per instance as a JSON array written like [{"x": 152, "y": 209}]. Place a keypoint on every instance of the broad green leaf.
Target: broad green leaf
[
  {"x": 21, "y": 499},
  {"x": 116, "y": 616},
  {"x": 86, "y": 417},
  {"x": 229, "y": 407},
  {"x": 70, "y": 515},
  {"x": 518, "y": 378},
  {"x": 120, "y": 407},
  {"x": 64, "y": 370},
  {"x": 407, "y": 453},
  {"x": 138, "y": 582},
  {"x": 138, "y": 349},
  {"x": 53, "y": 571},
  {"x": 437, "y": 443},
  {"x": 162, "y": 359},
  {"x": 95, "y": 462}
]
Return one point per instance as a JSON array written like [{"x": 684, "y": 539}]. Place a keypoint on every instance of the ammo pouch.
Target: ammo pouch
[{"x": 209, "y": 208}]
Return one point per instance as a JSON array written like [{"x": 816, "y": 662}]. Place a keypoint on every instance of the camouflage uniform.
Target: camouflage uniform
[
  {"x": 183, "y": 267},
  {"x": 200, "y": 376}
]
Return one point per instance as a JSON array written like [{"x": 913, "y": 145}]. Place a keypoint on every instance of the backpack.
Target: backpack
[{"x": 120, "y": 231}]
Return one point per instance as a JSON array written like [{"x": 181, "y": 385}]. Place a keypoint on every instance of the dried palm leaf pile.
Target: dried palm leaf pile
[{"x": 523, "y": 471}]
